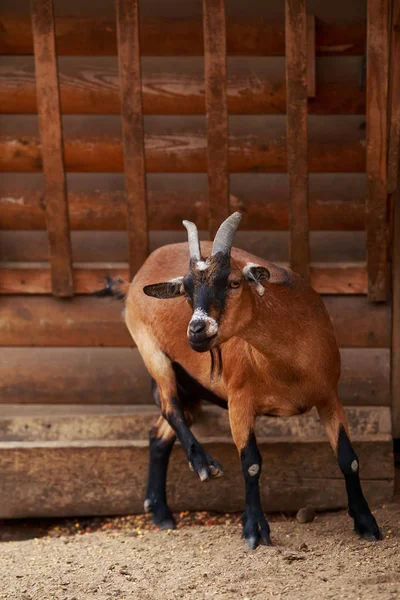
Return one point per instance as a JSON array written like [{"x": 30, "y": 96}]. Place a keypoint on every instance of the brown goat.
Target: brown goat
[{"x": 273, "y": 352}]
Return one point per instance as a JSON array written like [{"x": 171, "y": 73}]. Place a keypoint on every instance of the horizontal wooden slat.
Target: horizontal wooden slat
[
  {"x": 342, "y": 278},
  {"x": 172, "y": 37},
  {"x": 112, "y": 247},
  {"x": 176, "y": 86},
  {"x": 96, "y": 201},
  {"x": 88, "y": 321},
  {"x": 81, "y": 478},
  {"x": 33, "y": 423},
  {"x": 178, "y": 144},
  {"x": 118, "y": 376}
]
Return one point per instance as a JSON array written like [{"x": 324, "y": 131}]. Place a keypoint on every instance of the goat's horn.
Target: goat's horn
[
  {"x": 224, "y": 237},
  {"x": 193, "y": 239}
]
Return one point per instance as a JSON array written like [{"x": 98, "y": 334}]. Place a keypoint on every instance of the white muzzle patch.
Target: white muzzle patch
[{"x": 211, "y": 324}]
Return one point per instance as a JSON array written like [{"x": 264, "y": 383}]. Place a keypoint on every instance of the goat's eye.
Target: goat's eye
[{"x": 234, "y": 284}]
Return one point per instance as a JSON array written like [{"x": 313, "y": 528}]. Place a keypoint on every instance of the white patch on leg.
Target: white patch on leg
[
  {"x": 201, "y": 315},
  {"x": 253, "y": 469},
  {"x": 354, "y": 466}
]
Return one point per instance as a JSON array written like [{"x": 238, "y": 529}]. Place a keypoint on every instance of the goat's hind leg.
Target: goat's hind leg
[
  {"x": 162, "y": 439},
  {"x": 334, "y": 420}
]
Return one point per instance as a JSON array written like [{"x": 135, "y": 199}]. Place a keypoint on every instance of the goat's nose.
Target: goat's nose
[{"x": 197, "y": 326}]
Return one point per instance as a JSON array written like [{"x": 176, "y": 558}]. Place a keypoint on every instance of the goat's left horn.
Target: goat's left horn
[
  {"x": 193, "y": 239},
  {"x": 224, "y": 237}
]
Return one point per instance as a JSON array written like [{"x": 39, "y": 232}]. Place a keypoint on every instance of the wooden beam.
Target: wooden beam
[
  {"x": 376, "y": 159},
  {"x": 297, "y": 134},
  {"x": 132, "y": 130},
  {"x": 216, "y": 111},
  {"x": 96, "y": 36},
  {"x": 96, "y": 201},
  {"x": 311, "y": 60},
  {"x": 179, "y": 144},
  {"x": 394, "y": 113},
  {"x": 118, "y": 376},
  {"x": 175, "y": 86},
  {"x": 51, "y": 146},
  {"x": 326, "y": 279},
  {"x": 109, "y": 477},
  {"x": 88, "y": 321}
]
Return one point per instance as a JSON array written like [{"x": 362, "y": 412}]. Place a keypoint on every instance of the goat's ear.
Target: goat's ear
[
  {"x": 165, "y": 290},
  {"x": 254, "y": 274}
]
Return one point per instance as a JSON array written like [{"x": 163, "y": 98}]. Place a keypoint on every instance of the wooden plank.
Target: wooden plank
[
  {"x": 377, "y": 127},
  {"x": 90, "y": 85},
  {"x": 17, "y": 278},
  {"x": 51, "y": 146},
  {"x": 33, "y": 423},
  {"x": 80, "y": 478},
  {"x": 132, "y": 131},
  {"x": 89, "y": 376},
  {"x": 396, "y": 319},
  {"x": 178, "y": 144},
  {"x": 311, "y": 71},
  {"x": 297, "y": 134},
  {"x": 173, "y": 37},
  {"x": 96, "y": 201},
  {"x": 394, "y": 131},
  {"x": 88, "y": 321},
  {"x": 217, "y": 112}
]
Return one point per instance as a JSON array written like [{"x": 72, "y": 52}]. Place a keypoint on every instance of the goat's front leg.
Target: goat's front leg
[{"x": 256, "y": 530}]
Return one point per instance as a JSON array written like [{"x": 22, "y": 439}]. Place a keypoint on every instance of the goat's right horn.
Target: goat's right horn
[
  {"x": 224, "y": 237},
  {"x": 193, "y": 239}
]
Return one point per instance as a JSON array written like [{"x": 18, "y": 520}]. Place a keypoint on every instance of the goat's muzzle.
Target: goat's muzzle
[{"x": 201, "y": 334}]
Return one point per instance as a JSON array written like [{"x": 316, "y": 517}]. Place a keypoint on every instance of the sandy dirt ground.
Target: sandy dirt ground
[{"x": 205, "y": 558}]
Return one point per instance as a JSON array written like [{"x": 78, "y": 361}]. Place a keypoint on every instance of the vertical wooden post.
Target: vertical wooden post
[
  {"x": 311, "y": 52},
  {"x": 377, "y": 147},
  {"x": 48, "y": 101},
  {"x": 296, "y": 92},
  {"x": 395, "y": 367},
  {"x": 132, "y": 130},
  {"x": 217, "y": 111},
  {"x": 394, "y": 113}
]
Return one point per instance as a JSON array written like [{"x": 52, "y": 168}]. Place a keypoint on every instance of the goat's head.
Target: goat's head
[{"x": 214, "y": 287}]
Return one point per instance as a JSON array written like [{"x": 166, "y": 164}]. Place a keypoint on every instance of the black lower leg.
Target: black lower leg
[
  {"x": 203, "y": 464},
  {"x": 255, "y": 526},
  {"x": 156, "y": 494},
  {"x": 364, "y": 522}
]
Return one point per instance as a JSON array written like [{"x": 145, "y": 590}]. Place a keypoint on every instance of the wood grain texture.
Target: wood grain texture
[
  {"x": 88, "y": 321},
  {"x": 376, "y": 159},
  {"x": 179, "y": 144},
  {"x": 51, "y": 146},
  {"x": 80, "y": 478},
  {"x": 297, "y": 133},
  {"x": 215, "y": 74},
  {"x": 170, "y": 85},
  {"x": 173, "y": 37},
  {"x": 90, "y": 376},
  {"x": 112, "y": 247},
  {"x": 96, "y": 201},
  {"x": 34, "y": 278},
  {"x": 33, "y": 423},
  {"x": 132, "y": 132},
  {"x": 396, "y": 318},
  {"x": 311, "y": 69},
  {"x": 394, "y": 112}
]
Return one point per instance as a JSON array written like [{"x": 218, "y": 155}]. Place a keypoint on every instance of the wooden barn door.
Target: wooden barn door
[{"x": 117, "y": 126}]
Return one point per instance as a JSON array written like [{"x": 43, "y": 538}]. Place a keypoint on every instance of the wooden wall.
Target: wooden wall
[{"x": 78, "y": 351}]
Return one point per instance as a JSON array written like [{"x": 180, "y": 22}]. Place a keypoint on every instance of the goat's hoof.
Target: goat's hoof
[
  {"x": 256, "y": 531},
  {"x": 367, "y": 527},
  {"x": 206, "y": 467},
  {"x": 165, "y": 524},
  {"x": 162, "y": 516}
]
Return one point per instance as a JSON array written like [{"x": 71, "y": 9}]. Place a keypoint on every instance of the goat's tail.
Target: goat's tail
[{"x": 114, "y": 287}]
